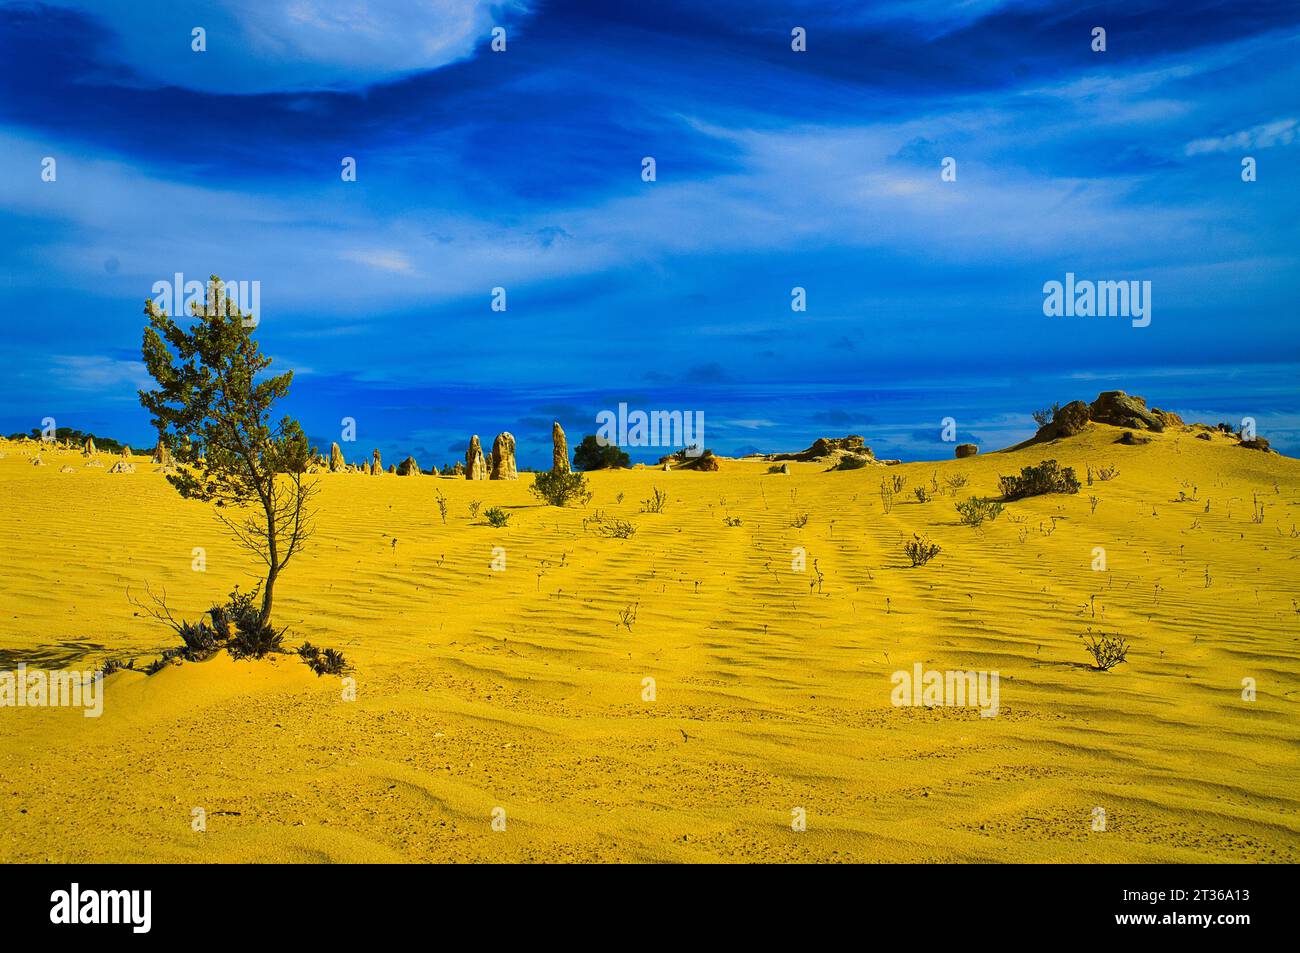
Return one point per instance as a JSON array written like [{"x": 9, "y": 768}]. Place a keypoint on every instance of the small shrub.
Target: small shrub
[
  {"x": 1107, "y": 473},
  {"x": 975, "y": 511},
  {"x": 732, "y": 520},
  {"x": 496, "y": 516},
  {"x": 255, "y": 641},
  {"x": 657, "y": 502},
  {"x": 1107, "y": 651},
  {"x": 323, "y": 661},
  {"x": 474, "y": 507},
  {"x": 800, "y": 521},
  {"x": 922, "y": 494},
  {"x": 956, "y": 481},
  {"x": 851, "y": 462},
  {"x": 920, "y": 550},
  {"x": 1046, "y": 415},
  {"x": 561, "y": 489},
  {"x": 1047, "y": 477}
]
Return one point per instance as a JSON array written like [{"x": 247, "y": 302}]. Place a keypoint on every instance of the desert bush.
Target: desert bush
[
  {"x": 1107, "y": 651},
  {"x": 474, "y": 507},
  {"x": 732, "y": 520},
  {"x": 975, "y": 511},
  {"x": 323, "y": 661},
  {"x": 591, "y": 454},
  {"x": 442, "y": 506},
  {"x": 561, "y": 489},
  {"x": 616, "y": 528},
  {"x": 1046, "y": 415},
  {"x": 922, "y": 494},
  {"x": 496, "y": 516},
  {"x": 800, "y": 521},
  {"x": 1107, "y": 473},
  {"x": 956, "y": 481},
  {"x": 116, "y": 665},
  {"x": 900, "y": 481},
  {"x": 657, "y": 502},
  {"x": 920, "y": 550},
  {"x": 1047, "y": 477},
  {"x": 886, "y": 494}
]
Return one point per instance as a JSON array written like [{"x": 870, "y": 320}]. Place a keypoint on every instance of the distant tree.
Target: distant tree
[
  {"x": 214, "y": 414},
  {"x": 592, "y": 455}
]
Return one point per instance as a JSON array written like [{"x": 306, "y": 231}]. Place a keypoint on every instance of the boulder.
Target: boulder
[
  {"x": 964, "y": 450},
  {"x": 503, "y": 458},
  {"x": 559, "y": 449},
  {"x": 37, "y": 461},
  {"x": 68, "y": 470},
  {"x": 1131, "y": 439},
  {"x": 121, "y": 467},
  {"x": 475, "y": 468},
  {"x": 1204, "y": 435},
  {"x": 89, "y": 446},
  {"x": 783, "y": 469},
  {"x": 336, "y": 459},
  {"x": 1167, "y": 418},
  {"x": 376, "y": 463},
  {"x": 1257, "y": 443},
  {"x": 126, "y": 453},
  {"x": 392, "y": 468},
  {"x": 1071, "y": 419}
]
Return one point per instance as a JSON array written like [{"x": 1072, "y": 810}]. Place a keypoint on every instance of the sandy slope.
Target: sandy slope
[{"x": 522, "y": 689}]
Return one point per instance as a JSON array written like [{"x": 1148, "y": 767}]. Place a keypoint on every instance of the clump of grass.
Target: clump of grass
[
  {"x": 956, "y": 481},
  {"x": 920, "y": 550},
  {"x": 496, "y": 516},
  {"x": 886, "y": 494},
  {"x": 732, "y": 520},
  {"x": 1107, "y": 472},
  {"x": 800, "y": 521},
  {"x": 1047, "y": 477},
  {"x": 561, "y": 489},
  {"x": 1107, "y": 651},
  {"x": 922, "y": 494},
  {"x": 976, "y": 511},
  {"x": 657, "y": 502},
  {"x": 474, "y": 506}
]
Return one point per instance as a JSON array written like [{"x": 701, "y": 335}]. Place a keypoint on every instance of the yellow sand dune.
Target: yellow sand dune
[{"x": 524, "y": 690}]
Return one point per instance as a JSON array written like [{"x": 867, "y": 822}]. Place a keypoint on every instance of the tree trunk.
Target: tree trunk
[{"x": 267, "y": 594}]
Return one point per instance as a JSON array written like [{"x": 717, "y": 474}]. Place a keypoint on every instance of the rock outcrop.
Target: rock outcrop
[
  {"x": 89, "y": 447},
  {"x": 408, "y": 467},
  {"x": 559, "y": 449},
  {"x": 376, "y": 463},
  {"x": 126, "y": 453},
  {"x": 337, "y": 464},
  {"x": 475, "y": 468},
  {"x": 161, "y": 455},
  {"x": 1256, "y": 443},
  {"x": 964, "y": 450},
  {"x": 1112, "y": 407},
  {"x": 121, "y": 467},
  {"x": 503, "y": 458},
  {"x": 830, "y": 450}
]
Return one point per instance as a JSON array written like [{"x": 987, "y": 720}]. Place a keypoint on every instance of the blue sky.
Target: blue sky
[{"x": 775, "y": 169}]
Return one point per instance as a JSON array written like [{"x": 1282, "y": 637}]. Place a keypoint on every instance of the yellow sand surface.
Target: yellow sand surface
[{"x": 524, "y": 689}]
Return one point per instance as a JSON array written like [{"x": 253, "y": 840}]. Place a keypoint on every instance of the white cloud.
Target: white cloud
[
  {"x": 1279, "y": 132},
  {"x": 93, "y": 372},
  {"x": 257, "y": 46}
]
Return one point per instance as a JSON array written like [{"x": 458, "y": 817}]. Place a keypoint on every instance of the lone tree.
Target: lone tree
[{"x": 214, "y": 414}]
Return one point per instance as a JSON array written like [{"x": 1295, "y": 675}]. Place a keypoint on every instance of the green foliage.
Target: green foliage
[
  {"x": 496, "y": 516},
  {"x": 213, "y": 408},
  {"x": 592, "y": 455},
  {"x": 975, "y": 511},
  {"x": 561, "y": 489},
  {"x": 1047, "y": 477}
]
